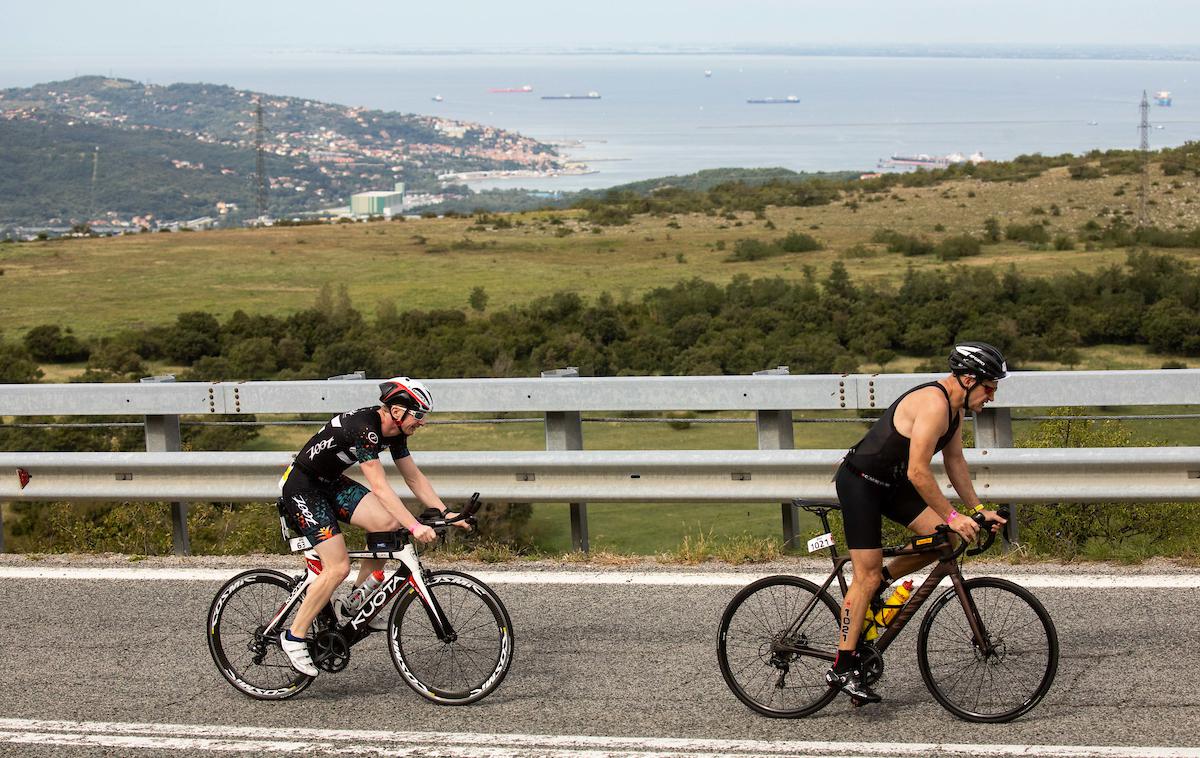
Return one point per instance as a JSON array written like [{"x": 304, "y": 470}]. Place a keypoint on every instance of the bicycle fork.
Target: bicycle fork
[
  {"x": 983, "y": 643},
  {"x": 410, "y": 573}
]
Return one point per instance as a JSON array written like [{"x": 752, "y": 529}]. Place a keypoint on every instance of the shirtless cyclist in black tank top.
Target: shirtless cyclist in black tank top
[{"x": 887, "y": 474}]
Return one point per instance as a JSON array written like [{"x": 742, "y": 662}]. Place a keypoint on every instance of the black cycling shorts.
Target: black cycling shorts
[
  {"x": 864, "y": 504},
  {"x": 313, "y": 506}
]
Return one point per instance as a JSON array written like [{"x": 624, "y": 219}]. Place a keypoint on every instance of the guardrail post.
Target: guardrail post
[
  {"x": 162, "y": 436},
  {"x": 775, "y": 433},
  {"x": 564, "y": 431},
  {"x": 993, "y": 428}
]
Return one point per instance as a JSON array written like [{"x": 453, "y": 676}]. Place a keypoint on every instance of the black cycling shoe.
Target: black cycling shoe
[{"x": 851, "y": 682}]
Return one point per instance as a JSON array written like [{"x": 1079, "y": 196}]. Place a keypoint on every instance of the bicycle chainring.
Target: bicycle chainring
[
  {"x": 331, "y": 651},
  {"x": 872, "y": 663}
]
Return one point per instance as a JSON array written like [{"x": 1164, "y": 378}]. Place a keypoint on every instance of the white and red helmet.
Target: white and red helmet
[{"x": 406, "y": 393}]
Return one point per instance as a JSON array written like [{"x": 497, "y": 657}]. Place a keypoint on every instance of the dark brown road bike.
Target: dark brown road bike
[{"x": 987, "y": 649}]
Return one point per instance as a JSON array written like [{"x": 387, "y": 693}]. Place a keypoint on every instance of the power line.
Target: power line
[
  {"x": 260, "y": 163},
  {"x": 1144, "y": 147}
]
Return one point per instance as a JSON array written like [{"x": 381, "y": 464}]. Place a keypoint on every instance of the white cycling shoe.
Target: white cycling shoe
[{"x": 298, "y": 655}]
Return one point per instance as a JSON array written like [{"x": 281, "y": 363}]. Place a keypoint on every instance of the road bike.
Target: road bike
[
  {"x": 987, "y": 649},
  {"x": 449, "y": 635}
]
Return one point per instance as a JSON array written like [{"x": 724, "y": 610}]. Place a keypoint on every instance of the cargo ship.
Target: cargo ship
[
  {"x": 593, "y": 95},
  {"x": 512, "y": 90},
  {"x": 1162, "y": 97},
  {"x": 789, "y": 100},
  {"x": 928, "y": 162}
]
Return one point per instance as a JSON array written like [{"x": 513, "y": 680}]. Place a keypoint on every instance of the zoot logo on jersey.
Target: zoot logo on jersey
[
  {"x": 320, "y": 446},
  {"x": 306, "y": 516}
]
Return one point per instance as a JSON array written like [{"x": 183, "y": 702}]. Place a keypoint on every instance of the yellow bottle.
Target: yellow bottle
[{"x": 893, "y": 603}]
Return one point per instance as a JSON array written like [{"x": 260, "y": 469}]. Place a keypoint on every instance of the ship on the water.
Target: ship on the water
[
  {"x": 927, "y": 162},
  {"x": 789, "y": 100},
  {"x": 1163, "y": 98},
  {"x": 593, "y": 95},
  {"x": 513, "y": 90}
]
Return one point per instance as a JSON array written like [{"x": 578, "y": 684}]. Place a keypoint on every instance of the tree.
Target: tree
[
  {"x": 49, "y": 343},
  {"x": 196, "y": 334},
  {"x": 478, "y": 299},
  {"x": 16, "y": 366}
]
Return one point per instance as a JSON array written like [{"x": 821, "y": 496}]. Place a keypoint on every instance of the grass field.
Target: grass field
[{"x": 98, "y": 285}]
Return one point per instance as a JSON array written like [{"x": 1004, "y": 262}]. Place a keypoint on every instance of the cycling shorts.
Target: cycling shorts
[
  {"x": 865, "y": 503},
  {"x": 313, "y": 505}
]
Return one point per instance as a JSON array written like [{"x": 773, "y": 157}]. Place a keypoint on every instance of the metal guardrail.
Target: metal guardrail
[
  {"x": 1008, "y": 475},
  {"x": 1022, "y": 389},
  {"x": 773, "y": 395}
]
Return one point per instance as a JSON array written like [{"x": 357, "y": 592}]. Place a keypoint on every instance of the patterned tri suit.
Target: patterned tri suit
[
  {"x": 872, "y": 481},
  {"x": 316, "y": 491}
]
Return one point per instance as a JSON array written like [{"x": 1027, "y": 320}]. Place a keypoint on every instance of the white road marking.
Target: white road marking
[
  {"x": 228, "y": 738},
  {"x": 727, "y": 579}
]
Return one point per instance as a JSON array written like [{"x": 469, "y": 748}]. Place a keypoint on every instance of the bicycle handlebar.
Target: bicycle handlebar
[
  {"x": 982, "y": 521},
  {"x": 431, "y": 517}
]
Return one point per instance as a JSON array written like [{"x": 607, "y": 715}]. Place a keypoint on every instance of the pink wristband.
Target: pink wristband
[{"x": 953, "y": 515}]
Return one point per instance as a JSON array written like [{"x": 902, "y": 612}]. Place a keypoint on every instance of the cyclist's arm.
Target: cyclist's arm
[
  {"x": 929, "y": 423},
  {"x": 957, "y": 471},
  {"x": 960, "y": 478},
  {"x": 419, "y": 484},
  {"x": 377, "y": 479}
]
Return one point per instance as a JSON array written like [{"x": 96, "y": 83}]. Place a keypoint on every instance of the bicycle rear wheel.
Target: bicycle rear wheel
[
  {"x": 995, "y": 686},
  {"x": 466, "y": 669},
  {"x": 776, "y": 673},
  {"x": 249, "y": 659}
]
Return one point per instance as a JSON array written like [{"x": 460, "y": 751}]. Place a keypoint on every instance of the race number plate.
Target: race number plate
[{"x": 817, "y": 543}]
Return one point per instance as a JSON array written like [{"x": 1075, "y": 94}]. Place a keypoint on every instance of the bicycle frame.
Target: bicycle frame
[
  {"x": 408, "y": 574},
  {"x": 946, "y": 566}
]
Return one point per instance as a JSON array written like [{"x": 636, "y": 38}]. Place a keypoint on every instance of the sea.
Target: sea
[{"x": 659, "y": 114}]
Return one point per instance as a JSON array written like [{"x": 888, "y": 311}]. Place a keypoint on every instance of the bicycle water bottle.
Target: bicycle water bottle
[
  {"x": 359, "y": 595},
  {"x": 893, "y": 603}
]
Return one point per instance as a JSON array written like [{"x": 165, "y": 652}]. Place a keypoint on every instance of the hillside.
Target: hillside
[
  {"x": 144, "y": 281},
  {"x": 177, "y": 150}
]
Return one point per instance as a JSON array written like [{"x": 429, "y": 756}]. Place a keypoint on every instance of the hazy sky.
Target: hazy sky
[{"x": 69, "y": 29}]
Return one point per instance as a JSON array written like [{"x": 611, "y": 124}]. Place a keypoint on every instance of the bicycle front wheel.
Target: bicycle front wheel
[
  {"x": 467, "y": 668},
  {"x": 774, "y": 660},
  {"x": 1007, "y": 679},
  {"x": 248, "y": 658}
]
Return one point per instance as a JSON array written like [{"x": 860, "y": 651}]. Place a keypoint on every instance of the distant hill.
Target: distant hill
[
  {"x": 509, "y": 200},
  {"x": 178, "y": 150},
  {"x": 706, "y": 180}
]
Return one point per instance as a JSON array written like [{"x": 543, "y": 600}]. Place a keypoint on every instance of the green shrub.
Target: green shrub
[
  {"x": 798, "y": 242},
  {"x": 960, "y": 246},
  {"x": 752, "y": 250},
  {"x": 1034, "y": 233},
  {"x": 1121, "y": 531}
]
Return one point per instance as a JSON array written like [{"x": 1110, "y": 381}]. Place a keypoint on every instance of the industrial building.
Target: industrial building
[{"x": 380, "y": 203}]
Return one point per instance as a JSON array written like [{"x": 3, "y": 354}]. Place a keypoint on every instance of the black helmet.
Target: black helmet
[
  {"x": 406, "y": 393},
  {"x": 979, "y": 359}
]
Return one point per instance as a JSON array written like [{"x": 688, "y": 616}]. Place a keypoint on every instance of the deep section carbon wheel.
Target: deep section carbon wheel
[
  {"x": 470, "y": 666},
  {"x": 249, "y": 659}
]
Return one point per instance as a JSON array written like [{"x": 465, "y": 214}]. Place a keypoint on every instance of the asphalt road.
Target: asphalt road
[{"x": 592, "y": 661}]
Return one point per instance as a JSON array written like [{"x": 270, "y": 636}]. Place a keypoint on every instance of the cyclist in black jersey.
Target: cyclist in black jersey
[
  {"x": 887, "y": 474},
  {"x": 317, "y": 494}
]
